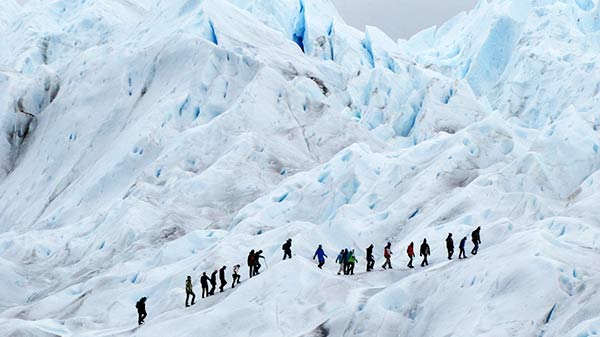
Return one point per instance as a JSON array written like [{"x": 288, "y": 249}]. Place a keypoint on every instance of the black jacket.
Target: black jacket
[
  {"x": 425, "y": 249},
  {"x": 213, "y": 278},
  {"x": 449, "y": 243},
  {"x": 204, "y": 281},
  {"x": 141, "y": 307},
  {"x": 222, "y": 274},
  {"x": 370, "y": 252},
  {"x": 475, "y": 236}
]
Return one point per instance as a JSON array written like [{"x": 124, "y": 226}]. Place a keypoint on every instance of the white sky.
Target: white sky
[{"x": 400, "y": 18}]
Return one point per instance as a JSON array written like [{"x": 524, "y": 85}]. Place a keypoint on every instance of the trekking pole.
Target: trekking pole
[{"x": 266, "y": 264}]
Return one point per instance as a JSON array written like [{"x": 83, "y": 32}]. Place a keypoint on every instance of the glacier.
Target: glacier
[{"x": 146, "y": 140}]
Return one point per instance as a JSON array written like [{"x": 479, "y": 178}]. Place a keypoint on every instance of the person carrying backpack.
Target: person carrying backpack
[
  {"x": 461, "y": 247},
  {"x": 425, "y": 251},
  {"x": 213, "y": 282},
  {"x": 320, "y": 253},
  {"x": 476, "y": 240},
  {"x": 236, "y": 276},
  {"x": 257, "y": 265},
  {"x": 222, "y": 278},
  {"x": 370, "y": 259},
  {"x": 141, "y": 309},
  {"x": 189, "y": 292},
  {"x": 340, "y": 259},
  {"x": 204, "y": 280},
  {"x": 287, "y": 249},
  {"x": 450, "y": 246},
  {"x": 351, "y": 261},
  {"x": 387, "y": 254},
  {"x": 410, "y": 251},
  {"x": 251, "y": 263}
]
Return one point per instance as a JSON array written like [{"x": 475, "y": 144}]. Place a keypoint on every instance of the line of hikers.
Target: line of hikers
[{"x": 346, "y": 259}]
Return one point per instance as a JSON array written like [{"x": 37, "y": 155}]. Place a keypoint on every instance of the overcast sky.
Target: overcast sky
[{"x": 400, "y": 18}]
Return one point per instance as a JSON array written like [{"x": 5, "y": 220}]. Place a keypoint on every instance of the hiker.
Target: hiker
[
  {"x": 351, "y": 261},
  {"x": 387, "y": 254},
  {"x": 410, "y": 251},
  {"x": 257, "y": 264},
  {"x": 141, "y": 309},
  {"x": 287, "y": 249},
  {"x": 321, "y": 254},
  {"x": 340, "y": 259},
  {"x": 450, "y": 246},
  {"x": 236, "y": 276},
  {"x": 345, "y": 261},
  {"x": 222, "y": 278},
  {"x": 189, "y": 292},
  {"x": 204, "y": 282},
  {"x": 370, "y": 259},
  {"x": 251, "y": 263},
  {"x": 476, "y": 240},
  {"x": 425, "y": 251},
  {"x": 213, "y": 282},
  {"x": 461, "y": 247}
]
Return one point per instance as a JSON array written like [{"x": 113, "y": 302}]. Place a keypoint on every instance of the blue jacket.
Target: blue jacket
[{"x": 321, "y": 254}]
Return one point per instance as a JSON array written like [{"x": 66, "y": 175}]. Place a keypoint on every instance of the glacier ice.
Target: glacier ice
[{"x": 142, "y": 141}]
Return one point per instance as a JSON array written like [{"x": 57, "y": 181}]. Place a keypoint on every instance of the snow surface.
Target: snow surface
[{"x": 147, "y": 140}]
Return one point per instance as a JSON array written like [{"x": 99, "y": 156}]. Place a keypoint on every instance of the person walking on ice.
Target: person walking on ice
[
  {"x": 461, "y": 247},
  {"x": 370, "y": 259},
  {"x": 320, "y": 253},
  {"x": 141, "y": 309},
  {"x": 236, "y": 275},
  {"x": 425, "y": 251},
  {"x": 476, "y": 240},
  {"x": 450, "y": 246},
  {"x": 340, "y": 259},
  {"x": 204, "y": 283},
  {"x": 222, "y": 278},
  {"x": 189, "y": 292},
  {"x": 257, "y": 265},
  {"x": 387, "y": 254},
  {"x": 410, "y": 251},
  {"x": 351, "y": 262},
  {"x": 213, "y": 282},
  {"x": 251, "y": 263},
  {"x": 287, "y": 249}
]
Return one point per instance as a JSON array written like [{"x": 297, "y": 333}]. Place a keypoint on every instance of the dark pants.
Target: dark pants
[
  {"x": 476, "y": 248},
  {"x": 251, "y": 271},
  {"x": 256, "y": 269},
  {"x": 350, "y": 268},
  {"x": 321, "y": 263},
  {"x": 461, "y": 253},
  {"x": 409, "y": 265},
  {"x": 212, "y": 288},
  {"x": 236, "y": 278},
  {"x": 287, "y": 254},
  {"x": 187, "y": 297},
  {"x": 141, "y": 316},
  {"x": 346, "y": 267},
  {"x": 388, "y": 263},
  {"x": 424, "y": 263},
  {"x": 450, "y": 253},
  {"x": 223, "y": 284},
  {"x": 205, "y": 291},
  {"x": 370, "y": 263}
]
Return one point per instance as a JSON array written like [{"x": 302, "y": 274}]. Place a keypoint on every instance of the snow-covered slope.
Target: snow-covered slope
[{"x": 147, "y": 140}]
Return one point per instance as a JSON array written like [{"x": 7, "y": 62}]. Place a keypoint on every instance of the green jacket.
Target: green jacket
[
  {"x": 188, "y": 286},
  {"x": 352, "y": 258}
]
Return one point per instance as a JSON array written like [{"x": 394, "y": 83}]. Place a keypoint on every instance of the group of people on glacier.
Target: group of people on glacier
[{"x": 346, "y": 259}]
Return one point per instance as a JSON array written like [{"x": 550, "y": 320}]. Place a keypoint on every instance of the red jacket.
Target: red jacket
[
  {"x": 387, "y": 253},
  {"x": 410, "y": 251}
]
